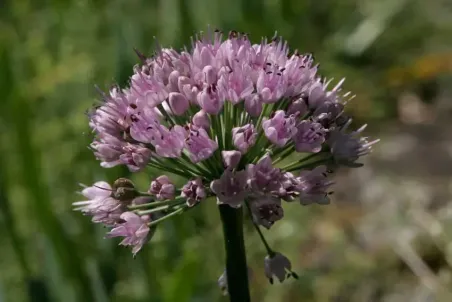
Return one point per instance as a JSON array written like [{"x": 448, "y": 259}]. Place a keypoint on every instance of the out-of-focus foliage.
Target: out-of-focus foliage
[{"x": 51, "y": 55}]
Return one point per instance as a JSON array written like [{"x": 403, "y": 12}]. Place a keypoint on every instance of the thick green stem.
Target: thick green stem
[{"x": 236, "y": 268}]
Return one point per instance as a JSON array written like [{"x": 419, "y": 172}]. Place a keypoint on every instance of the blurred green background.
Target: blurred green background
[{"x": 385, "y": 238}]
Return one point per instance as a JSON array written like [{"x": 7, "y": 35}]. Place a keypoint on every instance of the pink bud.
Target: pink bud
[
  {"x": 179, "y": 103},
  {"x": 211, "y": 76},
  {"x": 316, "y": 95},
  {"x": 173, "y": 81},
  {"x": 206, "y": 56},
  {"x": 201, "y": 119},
  {"x": 253, "y": 105},
  {"x": 298, "y": 106},
  {"x": 231, "y": 158},
  {"x": 162, "y": 188},
  {"x": 183, "y": 82},
  {"x": 209, "y": 100}
]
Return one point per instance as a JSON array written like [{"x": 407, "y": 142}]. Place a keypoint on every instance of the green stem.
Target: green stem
[
  {"x": 162, "y": 208},
  {"x": 236, "y": 267},
  {"x": 283, "y": 153},
  {"x": 300, "y": 164},
  {"x": 159, "y": 166},
  {"x": 177, "y": 212},
  {"x": 264, "y": 241},
  {"x": 311, "y": 165},
  {"x": 155, "y": 204}
]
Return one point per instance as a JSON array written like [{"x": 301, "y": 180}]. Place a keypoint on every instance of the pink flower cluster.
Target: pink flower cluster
[
  {"x": 224, "y": 115},
  {"x": 173, "y": 96}
]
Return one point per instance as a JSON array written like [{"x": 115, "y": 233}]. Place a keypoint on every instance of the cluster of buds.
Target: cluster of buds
[{"x": 251, "y": 125}]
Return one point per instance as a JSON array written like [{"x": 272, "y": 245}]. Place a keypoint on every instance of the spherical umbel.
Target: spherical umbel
[{"x": 247, "y": 125}]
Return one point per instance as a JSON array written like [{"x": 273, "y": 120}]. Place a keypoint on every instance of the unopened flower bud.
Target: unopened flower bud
[
  {"x": 211, "y": 76},
  {"x": 231, "y": 158},
  {"x": 124, "y": 190},
  {"x": 200, "y": 119},
  {"x": 123, "y": 182},
  {"x": 253, "y": 105},
  {"x": 193, "y": 191},
  {"x": 178, "y": 102},
  {"x": 162, "y": 188}
]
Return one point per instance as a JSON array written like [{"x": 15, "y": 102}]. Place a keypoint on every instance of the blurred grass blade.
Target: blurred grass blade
[
  {"x": 37, "y": 291},
  {"x": 181, "y": 286},
  {"x": 9, "y": 226},
  {"x": 59, "y": 288},
  {"x": 1, "y": 293},
  {"x": 20, "y": 119},
  {"x": 100, "y": 293},
  {"x": 37, "y": 288}
]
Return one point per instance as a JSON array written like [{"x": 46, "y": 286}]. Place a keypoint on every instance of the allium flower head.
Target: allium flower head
[{"x": 250, "y": 125}]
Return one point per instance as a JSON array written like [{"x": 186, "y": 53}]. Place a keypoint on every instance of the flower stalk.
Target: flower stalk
[
  {"x": 259, "y": 232},
  {"x": 236, "y": 268}
]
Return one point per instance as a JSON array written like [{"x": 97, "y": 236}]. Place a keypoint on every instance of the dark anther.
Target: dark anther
[
  {"x": 295, "y": 275},
  {"x": 133, "y": 118},
  {"x": 233, "y": 34},
  {"x": 141, "y": 56},
  {"x": 133, "y": 106}
]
